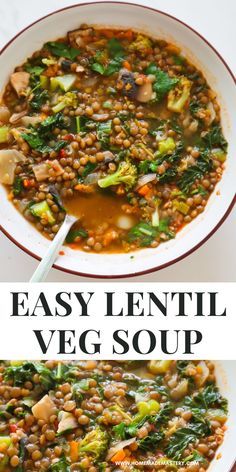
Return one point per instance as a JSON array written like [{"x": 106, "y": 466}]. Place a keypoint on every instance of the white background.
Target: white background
[{"x": 214, "y": 19}]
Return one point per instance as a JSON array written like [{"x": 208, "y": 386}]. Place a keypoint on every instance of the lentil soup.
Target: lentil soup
[
  {"x": 115, "y": 127},
  {"x": 109, "y": 416}
]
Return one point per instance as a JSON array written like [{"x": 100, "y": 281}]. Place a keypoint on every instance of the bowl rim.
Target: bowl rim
[{"x": 232, "y": 203}]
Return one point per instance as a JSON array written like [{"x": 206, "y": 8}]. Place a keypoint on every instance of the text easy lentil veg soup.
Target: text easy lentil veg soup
[
  {"x": 104, "y": 416},
  {"x": 115, "y": 127}
]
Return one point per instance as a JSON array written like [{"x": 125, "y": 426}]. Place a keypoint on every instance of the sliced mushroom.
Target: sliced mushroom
[
  {"x": 4, "y": 114},
  {"x": 8, "y": 162},
  {"x": 100, "y": 116},
  {"x": 30, "y": 120},
  {"x": 17, "y": 117},
  {"x": 145, "y": 92},
  {"x": 126, "y": 83},
  {"x": 20, "y": 82}
]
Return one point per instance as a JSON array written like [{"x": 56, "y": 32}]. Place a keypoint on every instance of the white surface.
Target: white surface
[{"x": 215, "y": 261}]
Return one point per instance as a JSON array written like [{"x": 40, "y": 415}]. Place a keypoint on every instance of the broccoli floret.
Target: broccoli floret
[
  {"x": 95, "y": 443},
  {"x": 126, "y": 174},
  {"x": 67, "y": 100},
  {"x": 178, "y": 97},
  {"x": 141, "y": 44}
]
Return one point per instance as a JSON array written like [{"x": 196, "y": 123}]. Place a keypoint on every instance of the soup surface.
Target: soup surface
[
  {"x": 108, "y": 416},
  {"x": 115, "y": 127}
]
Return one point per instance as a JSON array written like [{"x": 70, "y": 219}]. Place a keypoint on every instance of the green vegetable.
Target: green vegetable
[
  {"x": 215, "y": 137},
  {"x": 195, "y": 456},
  {"x": 69, "y": 99},
  {"x": 151, "y": 441},
  {"x": 22, "y": 454},
  {"x": 151, "y": 407},
  {"x": 42, "y": 210},
  {"x": 88, "y": 168},
  {"x": 44, "y": 81},
  {"x": 115, "y": 48},
  {"x": 182, "y": 207},
  {"x": 24, "y": 372},
  {"x": 178, "y": 97},
  {"x": 49, "y": 61},
  {"x": 192, "y": 173},
  {"x": 107, "y": 104},
  {"x": 62, "y": 465},
  {"x": 40, "y": 96},
  {"x": 216, "y": 414},
  {"x": 95, "y": 443},
  {"x": 75, "y": 233},
  {"x": 65, "y": 82},
  {"x": 126, "y": 174},
  {"x": 141, "y": 44},
  {"x": 103, "y": 132},
  {"x": 166, "y": 146},
  {"x": 4, "y": 133},
  {"x": 208, "y": 397},
  {"x": 34, "y": 70},
  {"x": 194, "y": 107},
  {"x": 143, "y": 233},
  {"x": 18, "y": 186},
  {"x": 179, "y": 60},
  {"x": 163, "y": 83},
  {"x": 38, "y": 136},
  {"x": 219, "y": 154},
  {"x": 62, "y": 50},
  {"x": 181, "y": 439}
]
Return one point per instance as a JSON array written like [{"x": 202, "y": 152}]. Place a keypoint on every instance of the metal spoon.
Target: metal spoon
[{"x": 48, "y": 259}]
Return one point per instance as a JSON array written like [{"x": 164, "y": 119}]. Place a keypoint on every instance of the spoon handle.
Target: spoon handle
[{"x": 48, "y": 259}]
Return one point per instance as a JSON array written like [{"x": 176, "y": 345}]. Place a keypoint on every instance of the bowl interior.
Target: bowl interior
[{"x": 203, "y": 56}]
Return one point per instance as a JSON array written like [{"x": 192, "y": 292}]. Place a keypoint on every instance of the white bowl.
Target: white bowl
[{"x": 204, "y": 56}]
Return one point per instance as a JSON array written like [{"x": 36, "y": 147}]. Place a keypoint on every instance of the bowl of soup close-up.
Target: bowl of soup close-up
[
  {"x": 122, "y": 116},
  {"x": 117, "y": 416}
]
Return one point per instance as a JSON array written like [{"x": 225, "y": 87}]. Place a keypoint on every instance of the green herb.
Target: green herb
[
  {"x": 40, "y": 96},
  {"x": 194, "y": 107},
  {"x": 100, "y": 68},
  {"x": 18, "y": 186},
  {"x": 88, "y": 168},
  {"x": 103, "y": 133},
  {"x": 62, "y": 50},
  {"x": 195, "y": 456},
  {"x": 200, "y": 190},
  {"x": 143, "y": 233},
  {"x": 115, "y": 48},
  {"x": 60, "y": 466},
  {"x": 34, "y": 70},
  {"x": 163, "y": 83},
  {"x": 179, "y": 60},
  {"x": 76, "y": 233}
]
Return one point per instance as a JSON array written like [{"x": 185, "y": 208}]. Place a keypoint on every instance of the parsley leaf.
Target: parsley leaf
[
  {"x": 163, "y": 83},
  {"x": 62, "y": 50}
]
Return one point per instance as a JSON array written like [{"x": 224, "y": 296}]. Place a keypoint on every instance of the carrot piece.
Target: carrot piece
[
  {"x": 119, "y": 456},
  {"x": 145, "y": 191},
  {"x": 127, "y": 65},
  {"x": 74, "y": 451}
]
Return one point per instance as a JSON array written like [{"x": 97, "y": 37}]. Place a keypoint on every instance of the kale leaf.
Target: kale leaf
[
  {"x": 38, "y": 136},
  {"x": 215, "y": 137},
  {"x": 151, "y": 441}
]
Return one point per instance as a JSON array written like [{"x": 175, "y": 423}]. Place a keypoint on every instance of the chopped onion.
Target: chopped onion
[
  {"x": 108, "y": 156},
  {"x": 211, "y": 108},
  {"x": 124, "y": 222},
  {"x": 90, "y": 81},
  {"x": 118, "y": 447},
  {"x": 92, "y": 179},
  {"x": 145, "y": 179},
  {"x": 100, "y": 116}
]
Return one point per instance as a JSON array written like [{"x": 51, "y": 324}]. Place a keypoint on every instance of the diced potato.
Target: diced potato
[
  {"x": 159, "y": 367},
  {"x": 67, "y": 422},
  {"x": 8, "y": 161},
  {"x": 202, "y": 375},
  {"x": 42, "y": 171},
  {"x": 44, "y": 408}
]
